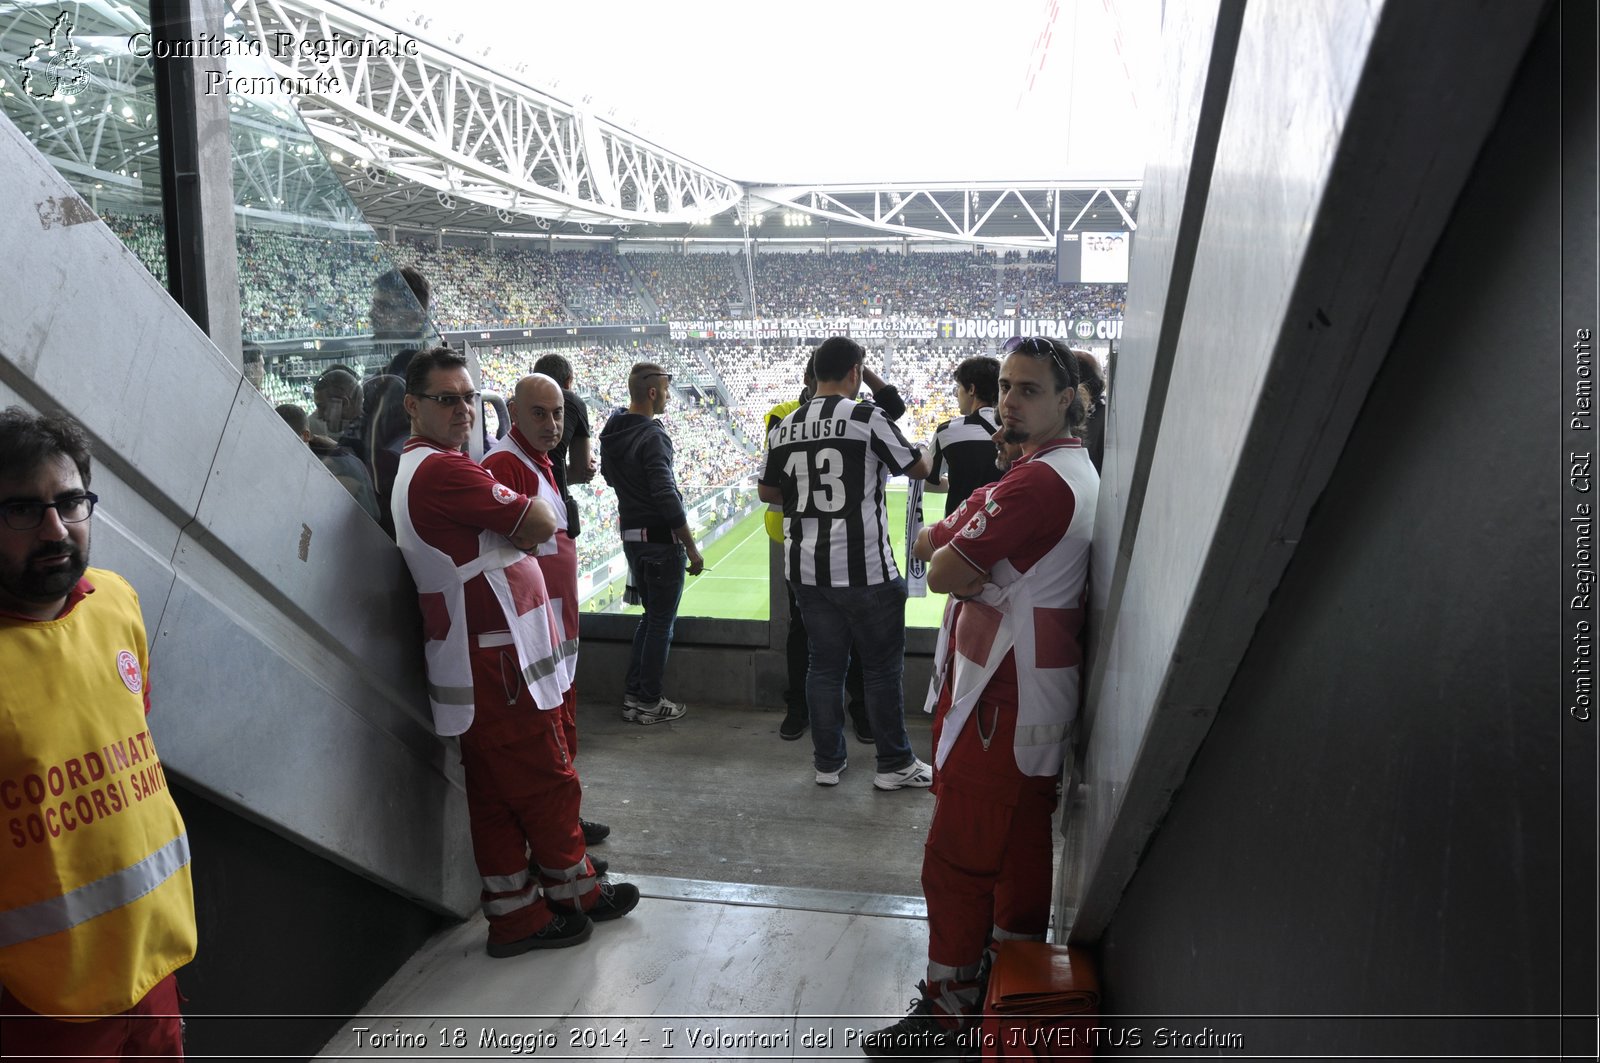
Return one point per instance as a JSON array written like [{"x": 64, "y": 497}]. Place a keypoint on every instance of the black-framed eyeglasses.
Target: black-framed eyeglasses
[
  {"x": 451, "y": 398},
  {"x": 25, "y": 516}
]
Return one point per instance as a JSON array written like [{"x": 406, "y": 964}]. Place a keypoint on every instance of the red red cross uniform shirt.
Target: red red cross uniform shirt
[
  {"x": 1033, "y": 508},
  {"x": 452, "y": 500},
  {"x": 1011, "y": 655},
  {"x": 475, "y": 589},
  {"x": 518, "y": 464}
]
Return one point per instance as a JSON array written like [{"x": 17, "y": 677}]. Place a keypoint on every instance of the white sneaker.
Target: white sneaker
[
  {"x": 914, "y": 774},
  {"x": 831, "y": 778},
  {"x": 663, "y": 711},
  {"x": 630, "y": 708}
]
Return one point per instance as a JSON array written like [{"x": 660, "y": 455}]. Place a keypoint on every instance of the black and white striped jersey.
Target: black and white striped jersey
[
  {"x": 964, "y": 450},
  {"x": 831, "y": 458}
]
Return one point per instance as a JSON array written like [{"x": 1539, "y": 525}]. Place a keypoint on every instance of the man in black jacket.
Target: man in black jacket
[{"x": 636, "y": 460}]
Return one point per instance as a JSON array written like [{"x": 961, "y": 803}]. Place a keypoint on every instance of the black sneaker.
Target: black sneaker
[
  {"x": 920, "y": 1035},
  {"x": 600, "y": 866},
  {"x": 617, "y": 899},
  {"x": 594, "y": 833},
  {"x": 564, "y": 930},
  {"x": 794, "y": 725}
]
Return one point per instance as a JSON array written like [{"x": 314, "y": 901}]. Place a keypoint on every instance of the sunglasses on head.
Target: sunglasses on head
[{"x": 1040, "y": 345}]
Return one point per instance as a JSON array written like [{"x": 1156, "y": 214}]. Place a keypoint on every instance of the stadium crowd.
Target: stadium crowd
[{"x": 302, "y": 284}]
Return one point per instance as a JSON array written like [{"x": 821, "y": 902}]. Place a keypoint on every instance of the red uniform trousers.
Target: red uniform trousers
[
  {"x": 522, "y": 803},
  {"x": 986, "y": 865},
  {"x": 569, "y": 720},
  {"x": 151, "y": 1027}
]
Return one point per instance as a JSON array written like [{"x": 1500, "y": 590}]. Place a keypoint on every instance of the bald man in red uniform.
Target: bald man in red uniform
[{"x": 522, "y": 461}]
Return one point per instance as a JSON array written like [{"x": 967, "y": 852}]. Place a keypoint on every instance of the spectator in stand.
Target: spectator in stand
[
  {"x": 573, "y": 459},
  {"x": 338, "y": 399},
  {"x": 400, "y": 300},
  {"x": 345, "y": 466},
  {"x": 386, "y": 425},
  {"x": 963, "y": 450},
  {"x": 1094, "y": 400}
]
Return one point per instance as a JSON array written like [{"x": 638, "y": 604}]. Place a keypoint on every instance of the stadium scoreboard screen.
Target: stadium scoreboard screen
[{"x": 1092, "y": 257}]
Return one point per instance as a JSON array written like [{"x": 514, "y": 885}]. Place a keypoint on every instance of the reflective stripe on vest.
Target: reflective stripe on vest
[{"x": 103, "y": 895}]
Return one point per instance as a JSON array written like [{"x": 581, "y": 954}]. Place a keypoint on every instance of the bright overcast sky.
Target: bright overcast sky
[{"x": 843, "y": 90}]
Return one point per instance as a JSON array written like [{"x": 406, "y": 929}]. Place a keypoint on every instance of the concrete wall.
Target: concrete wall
[
  {"x": 1342, "y": 141},
  {"x": 286, "y": 685},
  {"x": 1370, "y": 825}
]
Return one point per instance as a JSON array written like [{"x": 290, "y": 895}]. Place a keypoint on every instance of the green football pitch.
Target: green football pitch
[{"x": 734, "y": 583}]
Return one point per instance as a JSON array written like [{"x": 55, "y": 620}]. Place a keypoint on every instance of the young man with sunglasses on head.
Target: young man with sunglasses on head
[
  {"x": 96, "y": 905},
  {"x": 493, "y": 650},
  {"x": 1007, "y": 672}
]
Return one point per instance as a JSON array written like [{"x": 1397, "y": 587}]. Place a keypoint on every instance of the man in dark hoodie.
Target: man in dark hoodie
[{"x": 636, "y": 460}]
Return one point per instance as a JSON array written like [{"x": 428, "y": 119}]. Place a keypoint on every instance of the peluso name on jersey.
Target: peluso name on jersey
[{"x": 805, "y": 431}]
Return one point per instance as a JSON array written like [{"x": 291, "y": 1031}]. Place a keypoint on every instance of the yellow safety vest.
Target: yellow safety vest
[
  {"x": 774, "y": 515},
  {"x": 96, "y": 905}
]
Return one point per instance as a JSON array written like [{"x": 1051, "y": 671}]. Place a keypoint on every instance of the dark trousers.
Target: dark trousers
[{"x": 799, "y": 655}]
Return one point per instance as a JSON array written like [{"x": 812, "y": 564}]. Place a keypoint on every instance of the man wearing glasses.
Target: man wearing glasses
[
  {"x": 636, "y": 460},
  {"x": 96, "y": 906},
  {"x": 1015, "y": 559},
  {"x": 494, "y": 654}
]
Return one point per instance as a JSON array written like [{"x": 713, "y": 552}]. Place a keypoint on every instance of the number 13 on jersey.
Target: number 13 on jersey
[{"x": 818, "y": 478}]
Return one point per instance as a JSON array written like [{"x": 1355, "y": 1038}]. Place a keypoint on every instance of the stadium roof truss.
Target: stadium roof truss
[
  {"x": 439, "y": 141},
  {"x": 101, "y": 129},
  {"x": 1013, "y": 214},
  {"x": 441, "y": 121}
]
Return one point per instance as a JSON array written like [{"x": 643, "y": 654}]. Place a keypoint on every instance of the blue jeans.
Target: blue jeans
[
  {"x": 874, "y": 619},
  {"x": 656, "y": 570}
]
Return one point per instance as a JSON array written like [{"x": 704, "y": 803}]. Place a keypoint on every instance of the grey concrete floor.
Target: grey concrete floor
[
  {"x": 718, "y": 795},
  {"x": 780, "y": 918}
]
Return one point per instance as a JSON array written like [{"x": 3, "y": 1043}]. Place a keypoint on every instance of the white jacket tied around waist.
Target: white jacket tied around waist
[
  {"x": 532, "y": 632},
  {"x": 1047, "y": 687}
]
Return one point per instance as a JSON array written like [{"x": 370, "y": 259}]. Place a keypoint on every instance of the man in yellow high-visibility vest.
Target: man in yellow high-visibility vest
[{"x": 96, "y": 906}]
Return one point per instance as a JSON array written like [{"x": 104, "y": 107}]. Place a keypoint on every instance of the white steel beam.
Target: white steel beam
[
  {"x": 443, "y": 120},
  {"x": 1038, "y": 207}
]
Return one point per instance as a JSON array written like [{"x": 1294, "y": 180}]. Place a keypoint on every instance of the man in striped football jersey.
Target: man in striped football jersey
[{"x": 827, "y": 464}]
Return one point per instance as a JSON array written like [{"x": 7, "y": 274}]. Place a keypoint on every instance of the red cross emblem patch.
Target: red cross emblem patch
[
  {"x": 128, "y": 669},
  {"x": 503, "y": 494}
]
